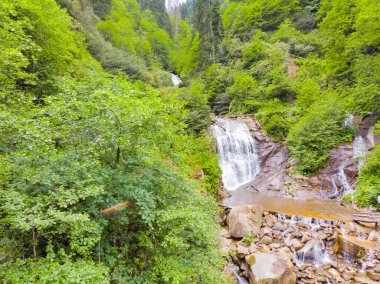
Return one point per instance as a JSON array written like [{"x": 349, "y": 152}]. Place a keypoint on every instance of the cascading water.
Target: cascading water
[
  {"x": 238, "y": 154},
  {"x": 345, "y": 184},
  {"x": 175, "y": 79},
  {"x": 359, "y": 150}
]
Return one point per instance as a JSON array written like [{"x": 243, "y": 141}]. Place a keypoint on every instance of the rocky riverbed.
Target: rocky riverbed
[
  {"x": 283, "y": 248},
  {"x": 264, "y": 247}
]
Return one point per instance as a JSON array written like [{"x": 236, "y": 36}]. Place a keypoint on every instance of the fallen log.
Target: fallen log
[{"x": 112, "y": 209}]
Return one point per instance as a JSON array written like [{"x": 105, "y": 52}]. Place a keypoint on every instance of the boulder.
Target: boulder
[
  {"x": 244, "y": 221},
  {"x": 373, "y": 276},
  {"x": 373, "y": 236},
  {"x": 270, "y": 220},
  {"x": 266, "y": 240},
  {"x": 296, "y": 244},
  {"x": 276, "y": 268},
  {"x": 335, "y": 274},
  {"x": 241, "y": 251},
  {"x": 266, "y": 232},
  {"x": 312, "y": 252},
  {"x": 348, "y": 246}
]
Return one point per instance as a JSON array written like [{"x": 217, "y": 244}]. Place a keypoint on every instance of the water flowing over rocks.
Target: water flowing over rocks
[
  {"x": 237, "y": 151},
  {"x": 333, "y": 182},
  {"x": 323, "y": 246},
  {"x": 294, "y": 249}
]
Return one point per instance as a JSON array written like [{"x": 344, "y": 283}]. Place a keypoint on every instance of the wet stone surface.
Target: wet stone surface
[{"x": 306, "y": 246}]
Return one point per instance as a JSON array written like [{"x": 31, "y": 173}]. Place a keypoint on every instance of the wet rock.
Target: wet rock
[
  {"x": 244, "y": 221},
  {"x": 285, "y": 250},
  {"x": 351, "y": 227},
  {"x": 361, "y": 279},
  {"x": 271, "y": 269},
  {"x": 373, "y": 236},
  {"x": 335, "y": 274},
  {"x": 266, "y": 240},
  {"x": 229, "y": 272},
  {"x": 351, "y": 171},
  {"x": 346, "y": 246},
  {"x": 296, "y": 244},
  {"x": 252, "y": 248},
  {"x": 242, "y": 251},
  {"x": 278, "y": 226},
  {"x": 288, "y": 242},
  {"x": 373, "y": 276},
  {"x": 312, "y": 252},
  {"x": 274, "y": 246},
  {"x": 268, "y": 151},
  {"x": 305, "y": 238},
  {"x": 266, "y": 232}
]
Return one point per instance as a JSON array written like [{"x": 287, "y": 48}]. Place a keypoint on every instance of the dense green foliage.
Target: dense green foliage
[
  {"x": 301, "y": 67},
  {"x": 76, "y": 140},
  {"x": 89, "y": 119}
]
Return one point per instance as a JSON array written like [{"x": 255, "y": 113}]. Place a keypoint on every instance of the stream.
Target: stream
[{"x": 316, "y": 231}]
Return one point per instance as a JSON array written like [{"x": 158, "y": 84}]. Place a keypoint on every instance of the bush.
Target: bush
[
  {"x": 50, "y": 270},
  {"x": 320, "y": 129},
  {"x": 276, "y": 119}
]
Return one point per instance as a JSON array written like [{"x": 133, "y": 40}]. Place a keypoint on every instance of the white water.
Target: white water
[
  {"x": 171, "y": 4},
  {"x": 239, "y": 160},
  {"x": 313, "y": 252},
  {"x": 359, "y": 150},
  {"x": 343, "y": 179},
  {"x": 175, "y": 79}
]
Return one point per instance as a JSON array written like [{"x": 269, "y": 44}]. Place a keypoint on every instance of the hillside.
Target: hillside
[{"x": 90, "y": 120}]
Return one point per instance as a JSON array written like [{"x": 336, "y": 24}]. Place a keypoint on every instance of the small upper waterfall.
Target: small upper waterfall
[
  {"x": 176, "y": 79},
  {"x": 238, "y": 154}
]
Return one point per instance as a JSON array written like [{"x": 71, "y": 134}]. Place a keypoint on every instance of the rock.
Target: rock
[
  {"x": 296, "y": 244},
  {"x": 278, "y": 226},
  {"x": 288, "y": 242},
  {"x": 351, "y": 171},
  {"x": 284, "y": 250},
  {"x": 335, "y": 274},
  {"x": 252, "y": 248},
  {"x": 242, "y": 251},
  {"x": 266, "y": 240},
  {"x": 266, "y": 232},
  {"x": 305, "y": 239},
  {"x": 373, "y": 276},
  {"x": 361, "y": 279},
  {"x": 351, "y": 227},
  {"x": 312, "y": 252},
  {"x": 373, "y": 236},
  {"x": 344, "y": 245},
  {"x": 271, "y": 269},
  {"x": 274, "y": 246},
  {"x": 229, "y": 272},
  {"x": 244, "y": 221},
  {"x": 269, "y": 151}
]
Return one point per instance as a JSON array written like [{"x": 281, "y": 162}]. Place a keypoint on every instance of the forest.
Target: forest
[{"x": 89, "y": 118}]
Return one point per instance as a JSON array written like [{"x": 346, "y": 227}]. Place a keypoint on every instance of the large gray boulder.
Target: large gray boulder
[
  {"x": 244, "y": 221},
  {"x": 266, "y": 268}
]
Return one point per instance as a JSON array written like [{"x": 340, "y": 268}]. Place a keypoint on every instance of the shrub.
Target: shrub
[{"x": 312, "y": 137}]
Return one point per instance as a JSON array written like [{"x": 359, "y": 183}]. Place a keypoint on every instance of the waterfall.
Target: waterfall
[
  {"x": 359, "y": 150},
  {"x": 176, "y": 79},
  {"x": 347, "y": 188},
  {"x": 237, "y": 151}
]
